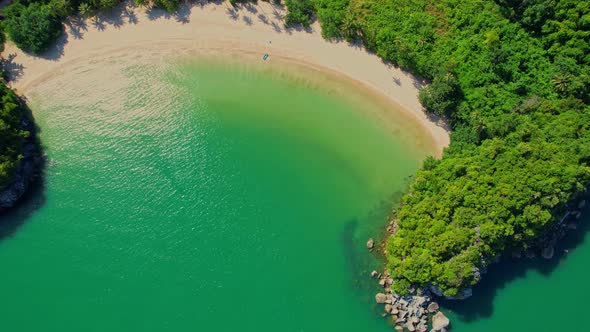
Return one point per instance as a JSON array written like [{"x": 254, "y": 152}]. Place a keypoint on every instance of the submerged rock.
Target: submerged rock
[
  {"x": 380, "y": 298},
  {"x": 548, "y": 252},
  {"x": 440, "y": 322},
  {"x": 374, "y": 274},
  {"x": 371, "y": 244}
]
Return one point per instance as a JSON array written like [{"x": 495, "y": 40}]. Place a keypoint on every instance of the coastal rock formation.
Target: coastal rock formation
[
  {"x": 408, "y": 313},
  {"x": 28, "y": 169},
  {"x": 380, "y": 298},
  {"x": 433, "y": 307},
  {"x": 547, "y": 252},
  {"x": 440, "y": 322}
]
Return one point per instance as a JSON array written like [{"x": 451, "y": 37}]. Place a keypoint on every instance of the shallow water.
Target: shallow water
[
  {"x": 205, "y": 197},
  {"x": 209, "y": 196}
]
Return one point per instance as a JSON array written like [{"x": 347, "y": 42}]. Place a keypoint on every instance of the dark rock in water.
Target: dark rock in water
[
  {"x": 529, "y": 254},
  {"x": 548, "y": 252},
  {"x": 380, "y": 298},
  {"x": 440, "y": 322},
  {"x": 371, "y": 244},
  {"x": 582, "y": 204},
  {"x": 433, "y": 307}
]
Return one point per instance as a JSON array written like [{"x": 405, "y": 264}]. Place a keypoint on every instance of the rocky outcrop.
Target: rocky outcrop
[
  {"x": 432, "y": 307},
  {"x": 440, "y": 322},
  {"x": 381, "y": 298},
  {"x": 463, "y": 294},
  {"x": 28, "y": 170},
  {"x": 548, "y": 252},
  {"x": 408, "y": 313}
]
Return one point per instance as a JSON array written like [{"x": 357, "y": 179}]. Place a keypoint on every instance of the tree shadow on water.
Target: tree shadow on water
[
  {"x": 508, "y": 270},
  {"x": 12, "y": 219}
]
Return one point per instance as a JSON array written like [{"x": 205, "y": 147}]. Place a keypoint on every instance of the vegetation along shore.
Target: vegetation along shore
[{"x": 512, "y": 78}]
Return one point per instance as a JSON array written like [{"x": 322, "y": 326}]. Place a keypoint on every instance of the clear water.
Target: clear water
[
  {"x": 228, "y": 197},
  {"x": 213, "y": 197}
]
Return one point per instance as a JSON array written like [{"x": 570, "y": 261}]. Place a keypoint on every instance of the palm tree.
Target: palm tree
[
  {"x": 349, "y": 27},
  {"x": 562, "y": 82},
  {"x": 86, "y": 10}
]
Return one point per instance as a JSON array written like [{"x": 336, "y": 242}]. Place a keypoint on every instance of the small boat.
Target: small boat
[{"x": 265, "y": 56}]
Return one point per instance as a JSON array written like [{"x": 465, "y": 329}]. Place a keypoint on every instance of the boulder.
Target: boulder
[
  {"x": 410, "y": 326},
  {"x": 440, "y": 322},
  {"x": 382, "y": 282},
  {"x": 399, "y": 328},
  {"x": 388, "y": 308},
  {"x": 374, "y": 274},
  {"x": 371, "y": 244},
  {"x": 433, "y": 307},
  {"x": 419, "y": 301},
  {"x": 422, "y": 327},
  {"x": 547, "y": 252},
  {"x": 403, "y": 314},
  {"x": 380, "y": 298}
]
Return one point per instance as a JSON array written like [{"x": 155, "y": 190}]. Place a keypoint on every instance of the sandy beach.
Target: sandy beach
[{"x": 133, "y": 34}]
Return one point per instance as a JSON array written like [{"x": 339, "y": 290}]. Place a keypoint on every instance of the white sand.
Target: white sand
[{"x": 218, "y": 29}]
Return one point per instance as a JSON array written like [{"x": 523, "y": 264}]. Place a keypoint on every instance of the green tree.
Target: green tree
[{"x": 32, "y": 28}]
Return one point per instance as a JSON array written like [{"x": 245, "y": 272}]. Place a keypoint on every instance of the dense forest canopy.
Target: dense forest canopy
[
  {"x": 12, "y": 136},
  {"x": 511, "y": 76}
]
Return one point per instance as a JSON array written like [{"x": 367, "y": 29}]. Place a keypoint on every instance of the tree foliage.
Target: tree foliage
[
  {"x": 299, "y": 12},
  {"x": 32, "y": 28},
  {"x": 12, "y": 136},
  {"x": 512, "y": 77}
]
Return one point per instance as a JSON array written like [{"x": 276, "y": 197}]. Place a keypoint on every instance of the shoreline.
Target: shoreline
[{"x": 218, "y": 30}]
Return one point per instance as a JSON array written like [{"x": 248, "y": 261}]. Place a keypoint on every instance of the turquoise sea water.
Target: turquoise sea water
[{"x": 225, "y": 197}]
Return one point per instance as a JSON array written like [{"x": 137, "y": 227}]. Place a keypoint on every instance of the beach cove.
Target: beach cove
[{"x": 159, "y": 188}]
